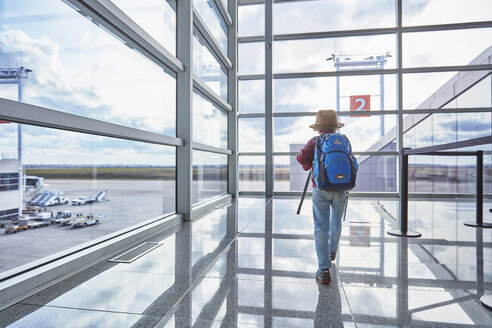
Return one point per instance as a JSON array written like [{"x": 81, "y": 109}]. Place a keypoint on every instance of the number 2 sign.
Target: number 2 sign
[{"x": 360, "y": 104}]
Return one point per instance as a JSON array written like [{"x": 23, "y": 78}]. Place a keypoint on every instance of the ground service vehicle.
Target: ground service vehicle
[
  {"x": 14, "y": 227},
  {"x": 83, "y": 222}
]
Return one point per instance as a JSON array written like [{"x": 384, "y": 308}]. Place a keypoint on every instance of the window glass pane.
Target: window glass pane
[
  {"x": 206, "y": 114},
  {"x": 288, "y": 174},
  {"x": 251, "y": 20},
  {"x": 79, "y": 68},
  {"x": 251, "y": 58},
  {"x": 210, "y": 14},
  {"x": 208, "y": 69},
  {"x": 447, "y": 174},
  {"x": 209, "y": 175},
  {"x": 445, "y": 11},
  {"x": 479, "y": 95},
  {"x": 156, "y": 17},
  {"x": 376, "y": 173},
  {"x": 252, "y": 173},
  {"x": 445, "y": 48},
  {"x": 434, "y": 90},
  {"x": 290, "y": 133},
  {"x": 315, "y": 55},
  {"x": 312, "y": 16},
  {"x": 313, "y": 94},
  {"x": 123, "y": 183},
  {"x": 251, "y": 134},
  {"x": 251, "y": 96}
]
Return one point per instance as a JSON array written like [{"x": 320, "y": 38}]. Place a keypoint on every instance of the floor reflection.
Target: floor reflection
[{"x": 252, "y": 264}]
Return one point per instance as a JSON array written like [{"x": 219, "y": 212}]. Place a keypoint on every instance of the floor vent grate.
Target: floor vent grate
[{"x": 136, "y": 252}]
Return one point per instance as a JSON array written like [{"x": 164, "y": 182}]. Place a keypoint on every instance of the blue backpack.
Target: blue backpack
[{"x": 334, "y": 165}]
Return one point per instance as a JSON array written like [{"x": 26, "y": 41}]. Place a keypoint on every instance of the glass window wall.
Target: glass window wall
[
  {"x": 79, "y": 68},
  {"x": 207, "y": 67},
  {"x": 206, "y": 114},
  {"x": 158, "y": 18},
  {"x": 315, "y": 55},
  {"x": 251, "y": 173},
  {"x": 458, "y": 47},
  {"x": 251, "y": 135},
  {"x": 251, "y": 58},
  {"x": 445, "y": 12},
  {"x": 111, "y": 183},
  {"x": 313, "y": 94},
  {"x": 252, "y": 98},
  {"x": 209, "y": 175},
  {"x": 212, "y": 17},
  {"x": 311, "y": 16},
  {"x": 251, "y": 20}
]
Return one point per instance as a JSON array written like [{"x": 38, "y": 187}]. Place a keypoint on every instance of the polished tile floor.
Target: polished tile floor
[{"x": 252, "y": 264}]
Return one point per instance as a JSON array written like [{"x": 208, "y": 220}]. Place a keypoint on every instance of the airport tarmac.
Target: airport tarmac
[{"x": 130, "y": 202}]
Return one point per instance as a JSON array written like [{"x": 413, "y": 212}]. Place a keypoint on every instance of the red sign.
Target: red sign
[
  {"x": 360, "y": 104},
  {"x": 4, "y": 122}
]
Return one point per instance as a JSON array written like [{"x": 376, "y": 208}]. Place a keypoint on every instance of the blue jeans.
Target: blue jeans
[{"x": 328, "y": 208}]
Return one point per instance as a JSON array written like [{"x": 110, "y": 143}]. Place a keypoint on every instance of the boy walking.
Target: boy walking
[{"x": 334, "y": 168}]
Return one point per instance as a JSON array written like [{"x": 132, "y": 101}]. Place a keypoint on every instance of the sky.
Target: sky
[{"x": 80, "y": 68}]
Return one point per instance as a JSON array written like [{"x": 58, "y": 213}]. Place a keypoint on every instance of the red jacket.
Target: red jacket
[{"x": 306, "y": 156}]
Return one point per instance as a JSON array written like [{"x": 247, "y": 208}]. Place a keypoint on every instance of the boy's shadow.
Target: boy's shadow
[{"x": 329, "y": 308}]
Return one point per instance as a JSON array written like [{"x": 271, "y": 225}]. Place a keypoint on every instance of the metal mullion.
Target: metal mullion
[
  {"x": 251, "y": 115},
  {"x": 434, "y": 69},
  {"x": 112, "y": 18},
  {"x": 269, "y": 170},
  {"x": 366, "y": 32},
  {"x": 223, "y": 11},
  {"x": 370, "y": 153},
  {"x": 437, "y": 69},
  {"x": 251, "y": 39},
  {"x": 205, "y": 90},
  {"x": 184, "y": 102},
  {"x": 18, "y": 112},
  {"x": 251, "y": 154},
  {"x": 446, "y": 27},
  {"x": 320, "y": 35},
  {"x": 210, "y": 149},
  {"x": 399, "y": 102},
  {"x": 448, "y": 110},
  {"x": 210, "y": 40},
  {"x": 251, "y": 77},
  {"x": 332, "y": 73},
  {"x": 341, "y": 113},
  {"x": 232, "y": 93}
]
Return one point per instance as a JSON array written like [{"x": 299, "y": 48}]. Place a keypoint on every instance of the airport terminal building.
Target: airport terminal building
[{"x": 157, "y": 143}]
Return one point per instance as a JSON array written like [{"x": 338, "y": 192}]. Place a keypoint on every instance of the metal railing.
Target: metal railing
[{"x": 438, "y": 151}]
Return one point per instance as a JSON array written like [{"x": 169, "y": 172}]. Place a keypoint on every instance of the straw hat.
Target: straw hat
[{"x": 326, "y": 118}]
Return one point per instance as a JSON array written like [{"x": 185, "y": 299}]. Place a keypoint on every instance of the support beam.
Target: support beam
[
  {"x": 268, "y": 98},
  {"x": 184, "y": 115},
  {"x": 233, "y": 172}
]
